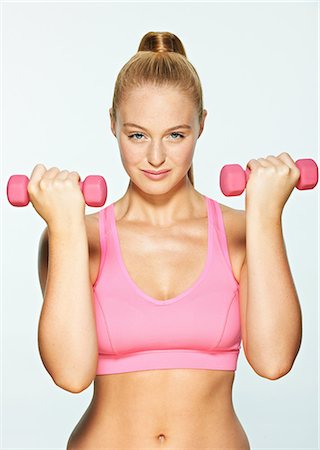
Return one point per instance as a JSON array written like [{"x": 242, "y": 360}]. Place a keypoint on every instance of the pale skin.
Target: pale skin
[
  {"x": 156, "y": 149},
  {"x": 142, "y": 403}
]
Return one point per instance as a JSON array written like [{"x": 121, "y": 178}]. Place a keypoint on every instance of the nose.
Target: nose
[{"x": 156, "y": 154}]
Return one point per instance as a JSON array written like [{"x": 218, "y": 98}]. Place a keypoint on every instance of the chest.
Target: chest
[{"x": 162, "y": 262}]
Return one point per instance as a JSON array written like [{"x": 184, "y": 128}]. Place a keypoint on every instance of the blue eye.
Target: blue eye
[
  {"x": 134, "y": 134},
  {"x": 140, "y": 134},
  {"x": 179, "y": 134}
]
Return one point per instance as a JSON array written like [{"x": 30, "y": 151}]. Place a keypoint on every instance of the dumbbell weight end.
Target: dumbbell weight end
[
  {"x": 94, "y": 189},
  {"x": 233, "y": 179}
]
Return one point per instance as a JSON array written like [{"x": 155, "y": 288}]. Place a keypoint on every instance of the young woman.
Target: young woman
[{"x": 148, "y": 297}]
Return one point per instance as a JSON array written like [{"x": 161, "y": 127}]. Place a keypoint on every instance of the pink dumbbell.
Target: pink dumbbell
[
  {"x": 233, "y": 179},
  {"x": 94, "y": 189}
]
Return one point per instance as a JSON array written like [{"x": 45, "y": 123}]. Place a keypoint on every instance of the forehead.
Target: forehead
[{"x": 165, "y": 105}]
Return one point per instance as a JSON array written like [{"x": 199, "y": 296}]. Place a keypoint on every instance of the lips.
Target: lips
[
  {"x": 156, "y": 175},
  {"x": 156, "y": 172}
]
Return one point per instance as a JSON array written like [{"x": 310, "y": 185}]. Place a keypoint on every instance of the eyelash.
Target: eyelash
[{"x": 134, "y": 134}]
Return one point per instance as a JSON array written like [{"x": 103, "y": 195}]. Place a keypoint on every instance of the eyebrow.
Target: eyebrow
[{"x": 130, "y": 124}]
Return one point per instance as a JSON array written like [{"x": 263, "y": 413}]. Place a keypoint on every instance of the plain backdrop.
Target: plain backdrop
[{"x": 258, "y": 64}]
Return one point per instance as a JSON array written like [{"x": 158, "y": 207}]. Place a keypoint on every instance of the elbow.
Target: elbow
[
  {"x": 274, "y": 374},
  {"x": 73, "y": 387},
  {"x": 271, "y": 369}
]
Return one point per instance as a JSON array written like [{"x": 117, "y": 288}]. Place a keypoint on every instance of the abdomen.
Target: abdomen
[{"x": 176, "y": 408}]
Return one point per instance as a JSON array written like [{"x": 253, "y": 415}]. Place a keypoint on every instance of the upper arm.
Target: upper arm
[
  {"x": 243, "y": 293},
  {"x": 236, "y": 229},
  {"x": 43, "y": 252},
  {"x": 92, "y": 224},
  {"x": 239, "y": 242}
]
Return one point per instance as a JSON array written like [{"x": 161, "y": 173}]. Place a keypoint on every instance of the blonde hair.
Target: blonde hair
[{"x": 161, "y": 60}]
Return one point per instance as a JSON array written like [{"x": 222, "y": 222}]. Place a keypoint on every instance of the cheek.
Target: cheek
[
  {"x": 130, "y": 155},
  {"x": 181, "y": 156}
]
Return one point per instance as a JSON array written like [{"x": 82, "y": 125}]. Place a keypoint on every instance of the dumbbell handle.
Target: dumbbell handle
[
  {"x": 94, "y": 189},
  {"x": 233, "y": 178}
]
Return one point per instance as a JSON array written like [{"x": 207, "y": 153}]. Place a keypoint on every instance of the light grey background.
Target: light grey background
[{"x": 258, "y": 64}]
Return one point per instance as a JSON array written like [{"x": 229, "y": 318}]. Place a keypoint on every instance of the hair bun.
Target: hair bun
[{"x": 161, "y": 41}]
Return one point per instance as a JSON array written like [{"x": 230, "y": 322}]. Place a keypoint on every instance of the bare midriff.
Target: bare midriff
[{"x": 173, "y": 409}]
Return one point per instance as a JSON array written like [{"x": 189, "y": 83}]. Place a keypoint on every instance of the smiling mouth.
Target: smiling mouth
[{"x": 154, "y": 172}]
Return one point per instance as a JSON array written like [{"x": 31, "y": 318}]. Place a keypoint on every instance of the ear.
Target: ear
[
  {"x": 112, "y": 123},
  {"x": 205, "y": 112}
]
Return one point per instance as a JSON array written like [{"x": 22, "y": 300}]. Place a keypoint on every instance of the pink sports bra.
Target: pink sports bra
[{"x": 198, "y": 329}]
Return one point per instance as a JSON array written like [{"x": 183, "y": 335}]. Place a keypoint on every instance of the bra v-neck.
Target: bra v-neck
[{"x": 139, "y": 291}]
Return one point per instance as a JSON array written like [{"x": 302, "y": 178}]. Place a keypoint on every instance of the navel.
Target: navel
[{"x": 161, "y": 437}]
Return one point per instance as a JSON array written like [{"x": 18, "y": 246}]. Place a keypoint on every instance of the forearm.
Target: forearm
[
  {"x": 67, "y": 335},
  {"x": 273, "y": 316}
]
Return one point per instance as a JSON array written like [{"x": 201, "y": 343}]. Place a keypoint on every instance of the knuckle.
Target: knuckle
[
  {"x": 54, "y": 168},
  {"x": 68, "y": 182},
  {"x": 272, "y": 169},
  {"x": 42, "y": 183},
  {"x": 284, "y": 169},
  {"x": 260, "y": 169},
  {"x": 58, "y": 181},
  {"x": 62, "y": 172}
]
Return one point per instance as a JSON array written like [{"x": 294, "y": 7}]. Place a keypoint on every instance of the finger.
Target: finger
[
  {"x": 37, "y": 172},
  {"x": 51, "y": 173},
  {"x": 252, "y": 164},
  {"x": 264, "y": 162},
  {"x": 75, "y": 177},
  {"x": 285, "y": 164},
  {"x": 274, "y": 160},
  {"x": 62, "y": 175},
  {"x": 286, "y": 158}
]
